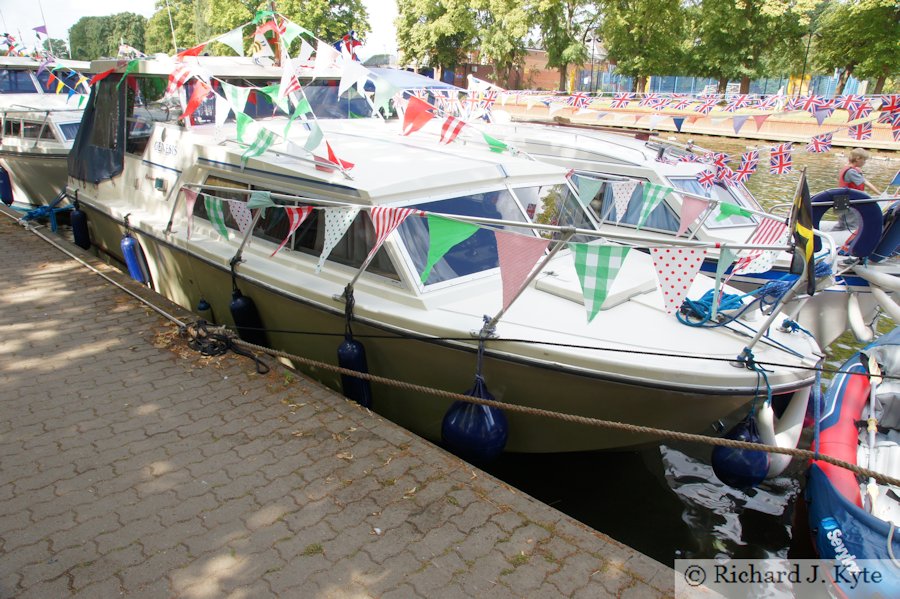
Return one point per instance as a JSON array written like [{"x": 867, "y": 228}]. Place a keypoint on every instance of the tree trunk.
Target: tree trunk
[
  {"x": 563, "y": 76},
  {"x": 723, "y": 85},
  {"x": 879, "y": 85},
  {"x": 640, "y": 83},
  {"x": 745, "y": 85}
]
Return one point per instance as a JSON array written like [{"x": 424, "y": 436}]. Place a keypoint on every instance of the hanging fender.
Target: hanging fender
[
  {"x": 784, "y": 431},
  {"x": 880, "y": 279},
  {"x": 862, "y": 331},
  {"x": 887, "y": 304},
  {"x": 868, "y": 235}
]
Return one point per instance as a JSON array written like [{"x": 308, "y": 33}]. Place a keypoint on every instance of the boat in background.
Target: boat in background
[
  {"x": 633, "y": 362},
  {"x": 853, "y": 521},
  {"x": 40, "y": 112}
]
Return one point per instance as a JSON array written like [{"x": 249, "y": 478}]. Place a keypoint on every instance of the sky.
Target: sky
[{"x": 18, "y": 17}]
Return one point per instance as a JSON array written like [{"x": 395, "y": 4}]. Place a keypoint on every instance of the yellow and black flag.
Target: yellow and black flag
[{"x": 802, "y": 233}]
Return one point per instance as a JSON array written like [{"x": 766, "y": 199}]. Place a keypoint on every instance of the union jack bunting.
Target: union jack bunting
[
  {"x": 849, "y": 102},
  {"x": 811, "y": 104},
  {"x": 820, "y": 143},
  {"x": 706, "y": 105},
  {"x": 749, "y": 162},
  {"x": 780, "y": 160},
  {"x": 622, "y": 100},
  {"x": 890, "y": 103},
  {"x": 768, "y": 102},
  {"x": 737, "y": 102},
  {"x": 725, "y": 175},
  {"x": 862, "y": 111},
  {"x": 689, "y": 158},
  {"x": 888, "y": 117},
  {"x": 659, "y": 103},
  {"x": 422, "y": 94},
  {"x": 706, "y": 178},
  {"x": 648, "y": 100},
  {"x": 579, "y": 100},
  {"x": 179, "y": 75},
  {"x": 720, "y": 159},
  {"x": 488, "y": 99},
  {"x": 681, "y": 104},
  {"x": 861, "y": 131},
  {"x": 793, "y": 104},
  {"x": 895, "y": 130},
  {"x": 451, "y": 128}
]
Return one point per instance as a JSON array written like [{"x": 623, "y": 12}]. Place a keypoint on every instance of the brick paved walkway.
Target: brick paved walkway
[{"x": 130, "y": 466}]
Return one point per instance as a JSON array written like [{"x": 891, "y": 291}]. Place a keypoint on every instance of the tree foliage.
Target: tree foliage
[
  {"x": 501, "y": 27},
  {"x": 435, "y": 32},
  {"x": 95, "y": 37},
  {"x": 566, "y": 26}
]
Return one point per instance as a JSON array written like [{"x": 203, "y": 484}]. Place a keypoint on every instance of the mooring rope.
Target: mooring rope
[{"x": 573, "y": 418}]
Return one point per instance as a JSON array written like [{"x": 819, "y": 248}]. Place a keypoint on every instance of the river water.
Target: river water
[{"x": 665, "y": 500}]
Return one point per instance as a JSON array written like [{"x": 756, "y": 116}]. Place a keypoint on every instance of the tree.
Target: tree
[
  {"x": 643, "y": 37},
  {"x": 435, "y": 32},
  {"x": 861, "y": 40},
  {"x": 502, "y": 26},
  {"x": 185, "y": 15},
  {"x": 56, "y": 47},
  {"x": 565, "y": 27},
  {"x": 95, "y": 37},
  {"x": 735, "y": 37}
]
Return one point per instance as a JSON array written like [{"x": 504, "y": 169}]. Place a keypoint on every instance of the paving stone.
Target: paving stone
[{"x": 159, "y": 473}]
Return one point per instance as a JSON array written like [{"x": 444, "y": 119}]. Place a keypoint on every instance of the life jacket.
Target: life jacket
[{"x": 844, "y": 183}]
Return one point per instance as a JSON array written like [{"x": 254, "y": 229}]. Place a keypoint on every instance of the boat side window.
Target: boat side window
[
  {"x": 32, "y": 130},
  {"x": 16, "y": 82},
  {"x": 723, "y": 194},
  {"x": 554, "y": 205},
  {"x": 69, "y": 130},
  {"x": 12, "y": 127},
  {"x": 475, "y": 254},
  {"x": 661, "y": 218}
]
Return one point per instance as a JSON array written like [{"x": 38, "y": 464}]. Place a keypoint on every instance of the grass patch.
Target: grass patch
[
  {"x": 452, "y": 500},
  {"x": 313, "y": 549}
]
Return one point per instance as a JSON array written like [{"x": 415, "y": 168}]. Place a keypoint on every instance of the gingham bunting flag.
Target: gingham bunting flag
[
  {"x": 451, "y": 128},
  {"x": 296, "y": 215},
  {"x": 190, "y": 198},
  {"x": 215, "y": 214},
  {"x": 597, "y": 266},
  {"x": 264, "y": 139},
  {"x": 237, "y": 96},
  {"x": 337, "y": 221},
  {"x": 653, "y": 195},
  {"x": 385, "y": 219},
  {"x": 622, "y": 192},
  {"x": 241, "y": 215},
  {"x": 518, "y": 254},
  {"x": 177, "y": 78},
  {"x": 676, "y": 269}
]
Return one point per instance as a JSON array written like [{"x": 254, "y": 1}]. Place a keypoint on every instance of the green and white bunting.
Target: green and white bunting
[
  {"x": 587, "y": 189},
  {"x": 264, "y": 139},
  {"x": 727, "y": 209},
  {"x": 726, "y": 257},
  {"x": 384, "y": 91},
  {"x": 291, "y": 31},
  {"x": 216, "y": 215},
  {"x": 653, "y": 195},
  {"x": 245, "y": 130},
  {"x": 314, "y": 138},
  {"x": 443, "y": 234},
  {"x": 494, "y": 144},
  {"x": 597, "y": 267},
  {"x": 236, "y": 96}
]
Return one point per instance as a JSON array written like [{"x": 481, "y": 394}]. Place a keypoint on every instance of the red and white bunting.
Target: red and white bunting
[
  {"x": 241, "y": 214},
  {"x": 296, "y": 215},
  {"x": 385, "y": 219},
  {"x": 179, "y": 75},
  {"x": 622, "y": 192},
  {"x": 451, "y": 128},
  {"x": 201, "y": 91},
  {"x": 418, "y": 112},
  {"x": 691, "y": 208},
  {"x": 768, "y": 232},
  {"x": 518, "y": 254},
  {"x": 676, "y": 269}
]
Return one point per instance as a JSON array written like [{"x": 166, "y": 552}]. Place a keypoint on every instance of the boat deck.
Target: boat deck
[{"x": 130, "y": 465}]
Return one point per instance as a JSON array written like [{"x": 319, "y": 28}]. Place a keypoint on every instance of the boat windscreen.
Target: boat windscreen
[
  {"x": 554, "y": 205},
  {"x": 16, "y": 82},
  {"x": 474, "y": 254}
]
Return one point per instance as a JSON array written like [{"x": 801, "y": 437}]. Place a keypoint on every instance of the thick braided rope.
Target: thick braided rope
[{"x": 609, "y": 424}]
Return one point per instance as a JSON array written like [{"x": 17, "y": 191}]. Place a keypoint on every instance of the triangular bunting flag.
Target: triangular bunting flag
[
  {"x": 555, "y": 107},
  {"x": 215, "y": 214},
  {"x": 691, "y": 208},
  {"x": 726, "y": 257},
  {"x": 233, "y": 39},
  {"x": 264, "y": 140},
  {"x": 337, "y": 221},
  {"x": 443, "y": 234},
  {"x": 451, "y": 128},
  {"x": 587, "y": 189},
  {"x": 305, "y": 52},
  {"x": 101, "y": 76},
  {"x": 195, "y": 51},
  {"x": 296, "y": 215},
  {"x": 261, "y": 200},
  {"x": 597, "y": 266},
  {"x": 190, "y": 198},
  {"x": 385, "y": 219},
  {"x": 418, "y": 112},
  {"x": 494, "y": 144},
  {"x": 201, "y": 90},
  {"x": 291, "y": 31},
  {"x": 738, "y": 122},
  {"x": 653, "y": 194},
  {"x": 244, "y": 128},
  {"x": 223, "y": 109},
  {"x": 676, "y": 269},
  {"x": 314, "y": 138},
  {"x": 622, "y": 192},
  {"x": 241, "y": 214},
  {"x": 384, "y": 91},
  {"x": 260, "y": 47},
  {"x": 236, "y": 96},
  {"x": 327, "y": 59},
  {"x": 335, "y": 160},
  {"x": 727, "y": 209},
  {"x": 352, "y": 74},
  {"x": 518, "y": 254},
  {"x": 759, "y": 119},
  {"x": 679, "y": 121}
]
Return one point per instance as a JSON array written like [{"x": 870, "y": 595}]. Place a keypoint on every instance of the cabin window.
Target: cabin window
[
  {"x": 32, "y": 130},
  {"x": 16, "y": 82},
  {"x": 476, "y": 254},
  {"x": 554, "y": 205},
  {"x": 104, "y": 133},
  {"x": 12, "y": 127},
  {"x": 309, "y": 238},
  {"x": 69, "y": 130},
  {"x": 603, "y": 206},
  {"x": 733, "y": 195}
]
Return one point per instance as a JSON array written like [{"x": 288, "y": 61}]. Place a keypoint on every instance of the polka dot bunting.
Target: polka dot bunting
[{"x": 676, "y": 269}]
